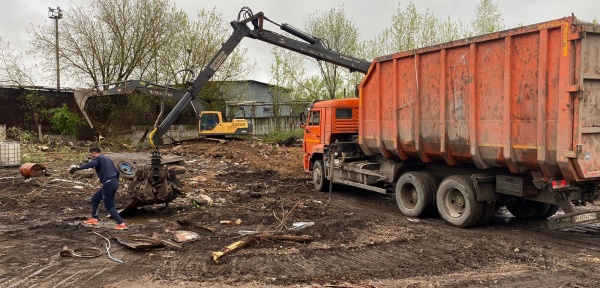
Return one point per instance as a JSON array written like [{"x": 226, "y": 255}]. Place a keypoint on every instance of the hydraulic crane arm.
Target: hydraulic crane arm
[
  {"x": 139, "y": 86},
  {"x": 313, "y": 47}
]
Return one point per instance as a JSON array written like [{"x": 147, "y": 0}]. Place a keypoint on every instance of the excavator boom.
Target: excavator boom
[
  {"x": 138, "y": 86},
  {"x": 157, "y": 184},
  {"x": 311, "y": 46}
]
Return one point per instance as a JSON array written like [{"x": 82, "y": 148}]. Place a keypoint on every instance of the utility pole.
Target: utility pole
[{"x": 56, "y": 14}]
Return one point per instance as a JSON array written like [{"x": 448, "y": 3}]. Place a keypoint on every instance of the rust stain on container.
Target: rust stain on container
[
  {"x": 526, "y": 99},
  {"x": 29, "y": 170}
]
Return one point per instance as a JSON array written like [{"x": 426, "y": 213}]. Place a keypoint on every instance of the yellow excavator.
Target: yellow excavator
[
  {"x": 155, "y": 183},
  {"x": 210, "y": 123}
]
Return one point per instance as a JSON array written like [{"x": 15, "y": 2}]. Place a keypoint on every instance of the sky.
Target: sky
[{"x": 371, "y": 17}]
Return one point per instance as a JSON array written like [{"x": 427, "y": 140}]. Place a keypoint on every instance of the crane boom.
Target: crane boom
[
  {"x": 312, "y": 47},
  {"x": 140, "y": 86}
]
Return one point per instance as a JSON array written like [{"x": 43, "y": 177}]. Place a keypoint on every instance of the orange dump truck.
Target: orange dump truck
[{"x": 506, "y": 119}]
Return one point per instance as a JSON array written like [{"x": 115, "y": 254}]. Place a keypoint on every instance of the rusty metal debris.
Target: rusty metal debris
[
  {"x": 188, "y": 223},
  {"x": 81, "y": 252},
  {"x": 29, "y": 170},
  {"x": 140, "y": 242}
]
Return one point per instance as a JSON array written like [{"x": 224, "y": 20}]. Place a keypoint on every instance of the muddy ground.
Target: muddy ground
[{"x": 359, "y": 239}]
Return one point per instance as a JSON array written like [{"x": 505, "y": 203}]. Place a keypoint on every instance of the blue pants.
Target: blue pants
[{"x": 107, "y": 194}]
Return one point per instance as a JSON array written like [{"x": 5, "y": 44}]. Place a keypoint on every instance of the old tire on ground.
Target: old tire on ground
[
  {"x": 527, "y": 209},
  {"x": 319, "y": 180},
  {"x": 457, "y": 203},
  {"x": 415, "y": 194},
  {"x": 126, "y": 168}
]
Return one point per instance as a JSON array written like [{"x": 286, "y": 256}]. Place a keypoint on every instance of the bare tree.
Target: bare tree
[
  {"x": 109, "y": 40},
  {"x": 115, "y": 40},
  {"x": 12, "y": 68},
  {"x": 340, "y": 34},
  {"x": 193, "y": 44}
]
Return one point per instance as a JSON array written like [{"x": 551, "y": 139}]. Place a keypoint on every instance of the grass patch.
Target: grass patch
[
  {"x": 280, "y": 137},
  {"x": 29, "y": 154}
]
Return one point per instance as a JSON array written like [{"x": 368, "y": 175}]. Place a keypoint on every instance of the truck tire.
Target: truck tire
[
  {"x": 457, "y": 203},
  {"x": 126, "y": 168},
  {"x": 321, "y": 183},
  {"x": 528, "y": 210},
  {"x": 553, "y": 209},
  {"x": 489, "y": 209},
  {"x": 415, "y": 194}
]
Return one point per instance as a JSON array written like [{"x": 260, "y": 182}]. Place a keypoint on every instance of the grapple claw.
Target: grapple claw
[{"x": 154, "y": 184}]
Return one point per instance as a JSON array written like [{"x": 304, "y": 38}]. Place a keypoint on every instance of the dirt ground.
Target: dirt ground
[{"x": 359, "y": 238}]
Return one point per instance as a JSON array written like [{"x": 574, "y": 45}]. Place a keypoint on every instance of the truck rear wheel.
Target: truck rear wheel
[
  {"x": 528, "y": 209},
  {"x": 489, "y": 209},
  {"x": 553, "y": 209},
  {"x": 415, "y": 194},
  {"x": 321, "y": 183},
  {"x": 457, "y": 202}
]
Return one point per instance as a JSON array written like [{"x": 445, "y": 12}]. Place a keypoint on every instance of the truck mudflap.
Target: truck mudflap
[{"x": 574, "y": 219}]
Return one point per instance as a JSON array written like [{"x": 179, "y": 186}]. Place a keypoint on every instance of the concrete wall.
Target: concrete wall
[
  {"x": 262, "y": 126},
  {"x": 175, "y": 133}
]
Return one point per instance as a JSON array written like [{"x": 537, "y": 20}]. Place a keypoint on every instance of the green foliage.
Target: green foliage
[
  {"x": 412, "y": 29},
  {"x": 30, "y": 154},
  {"x": 18, "y": 134},
  {"x": 289, "y": 70},
  {"x": 341, "y": 35},
  {"x": 488, "y": 18},
  {"x": 64, "y": 121},
  {"x": 32, "y": 111},
  {"x": 282, "y": 136}
]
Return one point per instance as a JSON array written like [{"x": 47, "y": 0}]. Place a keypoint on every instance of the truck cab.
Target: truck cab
[{"x": 327, "y": 122}]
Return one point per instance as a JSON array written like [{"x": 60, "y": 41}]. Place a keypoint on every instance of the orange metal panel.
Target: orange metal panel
[{"x": 527, "y": 99}]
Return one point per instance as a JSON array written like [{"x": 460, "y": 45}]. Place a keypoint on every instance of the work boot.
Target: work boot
[
  {"x": 91, "y": 221},
  {"x": 121, "y": 226}
]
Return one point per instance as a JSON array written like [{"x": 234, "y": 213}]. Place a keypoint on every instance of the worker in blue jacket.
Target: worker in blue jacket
[{"x": 109, "y": 177}]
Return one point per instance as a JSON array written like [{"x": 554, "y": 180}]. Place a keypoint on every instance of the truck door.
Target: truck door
[{"x": 312, "y": 131}]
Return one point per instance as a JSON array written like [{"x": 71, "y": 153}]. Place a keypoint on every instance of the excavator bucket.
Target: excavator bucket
[
  {"x": 154, "y": 184},
  {"x": 81, "y": 97}
]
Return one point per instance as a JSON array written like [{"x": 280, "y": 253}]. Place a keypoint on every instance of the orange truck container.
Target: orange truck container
[{"x": 510, "y": 118}]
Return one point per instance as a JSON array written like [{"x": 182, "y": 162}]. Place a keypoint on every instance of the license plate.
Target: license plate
[{"x": 585, "y": 217}]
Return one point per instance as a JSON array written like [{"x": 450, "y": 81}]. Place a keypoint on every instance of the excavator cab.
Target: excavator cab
[
  {"x": 212, "y": 124},
  {"x": 209, "y": 120}
]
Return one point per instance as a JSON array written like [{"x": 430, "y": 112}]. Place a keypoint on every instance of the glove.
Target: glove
[{"x": 73, "y": 168}]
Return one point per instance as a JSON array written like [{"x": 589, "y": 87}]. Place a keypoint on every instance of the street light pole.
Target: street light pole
[{"x": 56, "y": 14}]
